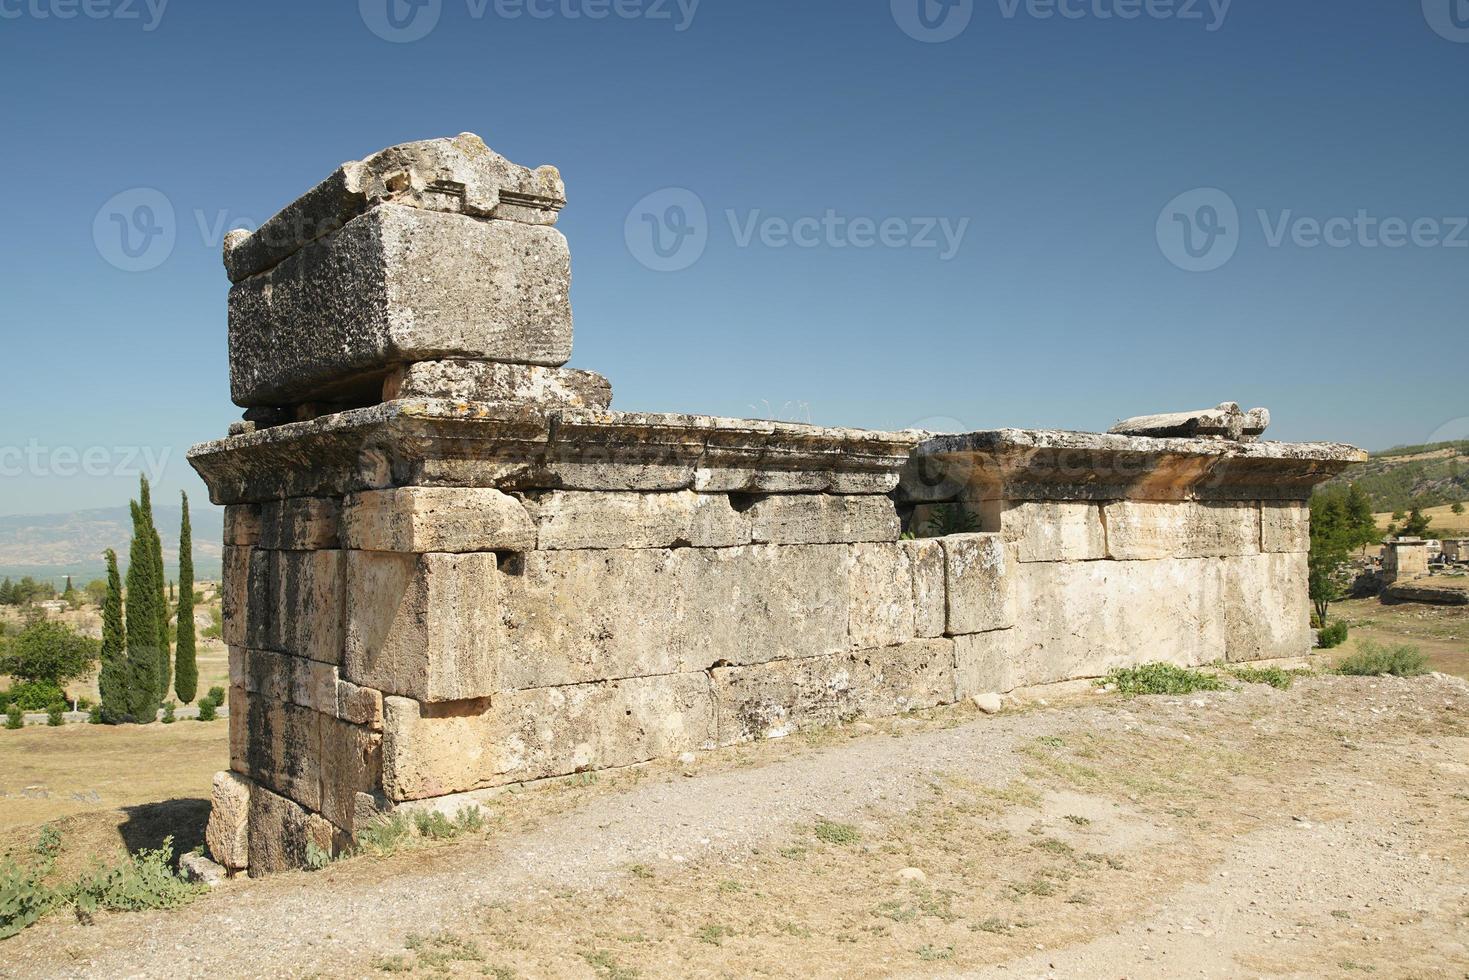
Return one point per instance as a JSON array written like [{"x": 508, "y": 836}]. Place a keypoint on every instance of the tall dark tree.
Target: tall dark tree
[
  {"x": 142, "y": 622},
  {"x": 164, "y": 661},
  {"x": 1417, "y": 524},
  {"x": 7, "y": 593},
  {"x": 115, "y": 680},
  {"x": 186, "y": 672}
]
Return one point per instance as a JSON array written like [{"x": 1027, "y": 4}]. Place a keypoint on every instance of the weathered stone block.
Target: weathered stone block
[
  {"x": 1149, "y": 530},
  {"x": 242, "y": 525},
  {"x": 300, "y": 523},
  {"x": 491, "y": 381},
  {"x": 880, "y": 595},
  {"x": 823, "y": 519},
  {"x": 1046, "y": 530},
  {"x": 985, "y": 663},
  {"x": 1285, "y": 526},
  {"x": 282, "y": 747},
  {"x": 976, "y": 583},
  {"x": 351, "y": 763},
  {"x": 1265, "y": 609},
  {"x": 239, "y": 725},
  {"x": 1084, "y": 618},
  {"x": 761, "y": 603},
  {"x": 359, "y": 705},
  {"x": 229, "y": 814},
  {"x": 234, "y": 595},
  {"x": 423, "y": 626},
  {"x": 238, "y": 658},
  {"x": 276, "y": 831},
  {"x": 308, "y": 603},
  {"x": 397, "y": 285},
  {"x": 930, "y": 605},
  {"x": 634, "y": 627},
  {"x": 569, "y": 520},
  {"x": 775, "y": 699},
  {"x": 431, "y": 750},
  {"x": 436, "y": 519}
]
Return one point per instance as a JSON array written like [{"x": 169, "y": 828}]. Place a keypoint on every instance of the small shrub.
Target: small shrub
[
  {"x": 1374, "y": 659},
  {"x": 1333, "y": 636},
  {"x": 168, "y": 712},
  {"x": 14, "y": 717},
  {"x": 145, "y": 880},
  {"x": 55, "y": 715},
  {"x": 94, "y": 715},
  {"x": 434, "y": 825},
  {"x": 317, "y": 858},
  {"x": 24, "y": 897},
  {"x": 384, "y": 837},
  {"x": 216, "y": 694},
  {"x": 207, "y": 710},
  {"x": 1161, "y": 678},
  {"x": 471, "y": 819},
  {"x": 836, "y": 833},
  {"x": 1279, "y": 679},
  {"x": 950, "y": 519},
  {"x": 33, "y": 695}
]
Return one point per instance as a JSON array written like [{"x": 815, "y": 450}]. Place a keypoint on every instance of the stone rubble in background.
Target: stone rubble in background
[{"x": 449, "y": 567}]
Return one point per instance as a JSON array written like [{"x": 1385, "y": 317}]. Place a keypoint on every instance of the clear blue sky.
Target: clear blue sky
[{"x": 1060, "y": 140}]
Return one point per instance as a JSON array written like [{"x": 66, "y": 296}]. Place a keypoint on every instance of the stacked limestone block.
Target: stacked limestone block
[{"x": 1124, "y": 550}]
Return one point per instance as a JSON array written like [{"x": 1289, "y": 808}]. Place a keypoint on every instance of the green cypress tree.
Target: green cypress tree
[
  {"x": 186, "y": 673},
  {"x": 164, "y": 662},
  {"x": 7, "y": 593},
  {"x": 141, "y": 626},
  {"x": 114, "y": 681}
]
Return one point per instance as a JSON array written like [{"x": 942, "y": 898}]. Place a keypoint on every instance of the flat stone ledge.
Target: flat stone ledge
[
  {"x": 1044, "y": 464},
  {"x": 430, "y": 442}
]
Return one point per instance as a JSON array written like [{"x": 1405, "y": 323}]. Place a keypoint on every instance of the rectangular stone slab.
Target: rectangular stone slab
[{"x": 398, "y": 284}]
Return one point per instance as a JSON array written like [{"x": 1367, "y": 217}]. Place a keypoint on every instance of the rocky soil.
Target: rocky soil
[{"x": 1312, "y": 832}]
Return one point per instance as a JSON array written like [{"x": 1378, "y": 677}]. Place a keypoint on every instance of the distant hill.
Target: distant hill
[
  {"x": 52, "y": 546},
  {"x": 1413, "y": 476}
]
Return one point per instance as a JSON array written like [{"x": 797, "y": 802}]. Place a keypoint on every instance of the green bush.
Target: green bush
[
  {"x": 206, "y": 710},
  {"x": 1161, "y": 678},
  {"x": 24, "y": 897},
  {"x": 1279, "y": 679},
  {"x": 434, "y": 825},
  {"x": 1333, "y": 635},
  {"x": 33, "y": 695},
  {"x": 216, "y": 694},
  {"x": 168, "y": 712},
  {"x": 55, "y": 715},
  {"x": 145, "y": 880},
  {"x": 14, "y": 717},
  {"x": 94, "y": 715},
  {"x": 1374, "y": 659}
]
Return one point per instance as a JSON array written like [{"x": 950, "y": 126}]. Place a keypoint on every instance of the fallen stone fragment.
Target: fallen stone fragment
[
  {"x": 1226, "y": 421},
  {"x": 201, "y": 871},
  {"x": 989, "y": 703}
]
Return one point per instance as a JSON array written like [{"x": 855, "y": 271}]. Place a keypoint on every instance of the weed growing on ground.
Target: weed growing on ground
[
  {"x": 1080, "y": 821},
  {"x": 470, "y": 820},
  {"x": 935, "y": 952},
  {"x": 385, "y": 836},
  {"x": 438, "y": 952},
  {"x": 1374, "y": 659},
  {"x": 1161, "y": 678},
  {"x": 1277, "y": 678},
  {"x": 433, "y": 825},
  {"x": 607, "y": 966},
  {"x": 317, "y": 858},
  {"x": 836, "y": 833},
  {"x": 714, "y": 934}
]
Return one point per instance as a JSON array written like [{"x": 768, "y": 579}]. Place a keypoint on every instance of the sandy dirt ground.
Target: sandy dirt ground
[{"x": 1313, "y": 832}]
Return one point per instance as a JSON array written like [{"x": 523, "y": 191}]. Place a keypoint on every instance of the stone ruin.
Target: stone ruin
[{"x": 450, "y": 567}]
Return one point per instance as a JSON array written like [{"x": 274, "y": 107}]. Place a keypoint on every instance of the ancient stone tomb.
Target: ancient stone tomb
[{"x": 450, "y": 567}]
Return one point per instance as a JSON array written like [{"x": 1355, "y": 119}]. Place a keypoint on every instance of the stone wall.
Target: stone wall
[{"x": 450, "y": 567}]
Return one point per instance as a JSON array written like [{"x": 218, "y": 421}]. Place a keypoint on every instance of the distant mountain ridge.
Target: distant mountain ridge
[
  {"x": 51, "y": 546},
  {"x": 1412, "y": 476}
]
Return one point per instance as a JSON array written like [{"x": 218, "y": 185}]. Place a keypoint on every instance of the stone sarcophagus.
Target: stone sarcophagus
[{"x": 451, "y": 567}]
